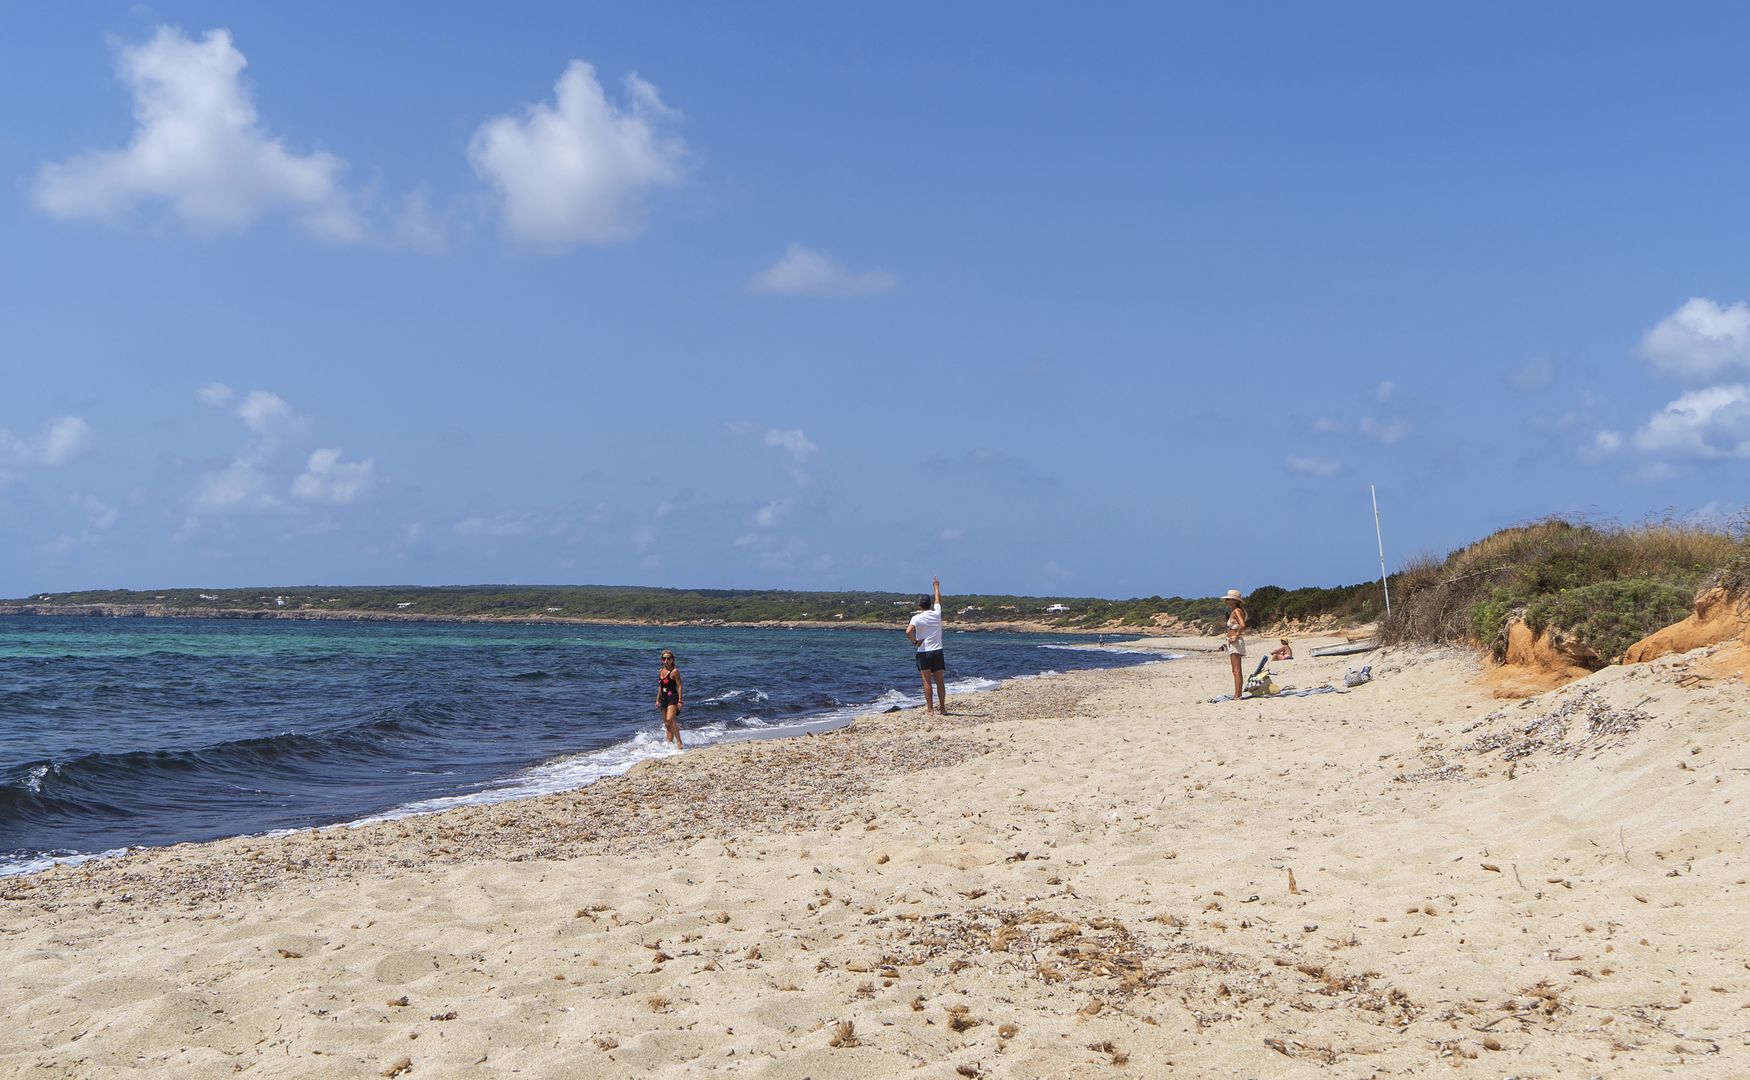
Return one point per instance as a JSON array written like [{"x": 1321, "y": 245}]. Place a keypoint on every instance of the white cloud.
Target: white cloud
[
  {"x": 326, "y": 478},
  {"x": 266, "y": 414},
  {"x": 1386, "y": 431},
  {"x": 792, "y": 441},
  {"x": 241, "y": 485},
  {"x": 951, "y": 536},
  {"x": 801, "y": 272},
  {"x": 1384, "y": 390},
  {"x": 768, "y": 515},
  {"x": 216, "y": 394},
  {"x": 1325, "y": 425},
  {"x": 643, "y": 538},
  {"x": 1709, "y": 424},
  {"x": 1700, "y": 340},
  {"x": 500, "y": 525},
  {"x": 61, "y": 440},
  {"x": 64, "y": 440},
  {"x": 575, "y": 171},
  {"x": 1606, "y": 442},
  {"x": 1310, "y": 466},
  {"x": 199, "y": 147}
]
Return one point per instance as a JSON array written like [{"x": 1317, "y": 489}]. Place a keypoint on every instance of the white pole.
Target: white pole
[{"x": 1378, "y": 538}]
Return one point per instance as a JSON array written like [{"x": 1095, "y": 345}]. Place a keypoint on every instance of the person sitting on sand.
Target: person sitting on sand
[
  {"x": 925, "y": 631},
  {"x": 1235, "y": 642},
  {"x": 1286, "y": 652},
  {"x": 668, "y": 699}
]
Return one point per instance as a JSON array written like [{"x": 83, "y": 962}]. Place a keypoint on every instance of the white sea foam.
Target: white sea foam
[
  {"x": 1117, "y": 649},
  {"x": 37, "y": 863},
  {"x": 735, "y": 695},
  {"x": 34, "y": 782}
]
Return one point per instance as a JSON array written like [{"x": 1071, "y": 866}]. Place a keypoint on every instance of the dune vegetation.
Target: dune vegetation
[{"x": 1601, "y": 587}]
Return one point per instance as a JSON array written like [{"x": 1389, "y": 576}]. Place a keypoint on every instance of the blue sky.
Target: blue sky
[{"x": 1121, "y": 301}]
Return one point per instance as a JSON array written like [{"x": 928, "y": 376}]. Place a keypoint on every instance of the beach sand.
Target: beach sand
[{"x": 1100, "y": 874}]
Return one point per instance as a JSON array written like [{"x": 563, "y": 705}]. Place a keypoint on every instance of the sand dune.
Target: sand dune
[{"x": 1100, "y": 874}]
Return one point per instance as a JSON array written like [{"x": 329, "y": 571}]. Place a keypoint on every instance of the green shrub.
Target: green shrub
[{"x": 1609, "y": 616}]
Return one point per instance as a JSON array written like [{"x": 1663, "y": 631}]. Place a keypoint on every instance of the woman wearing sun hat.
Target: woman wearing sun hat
[{"x": 1235, "y": 644}]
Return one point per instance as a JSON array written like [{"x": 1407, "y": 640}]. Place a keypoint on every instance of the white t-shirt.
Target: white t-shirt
[{"x": 926, "y": 626}]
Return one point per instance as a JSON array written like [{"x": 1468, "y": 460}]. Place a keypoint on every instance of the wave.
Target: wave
[
  {"x": 1115, "y": 649},
  {"x": 102, "y": 785},
  {"x": 727, "y": 696}
]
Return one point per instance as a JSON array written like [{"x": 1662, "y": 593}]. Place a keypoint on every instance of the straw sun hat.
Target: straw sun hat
[{"x": 1234, "y": 594}]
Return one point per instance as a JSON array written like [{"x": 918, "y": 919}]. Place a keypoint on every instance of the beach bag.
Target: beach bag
[
  {"x": 1358, "y": 677},
  {"x": 1262, "y": 686}
]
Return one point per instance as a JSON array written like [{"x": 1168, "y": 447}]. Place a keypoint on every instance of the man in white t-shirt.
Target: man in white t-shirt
[{"x": 925, "y": 631}]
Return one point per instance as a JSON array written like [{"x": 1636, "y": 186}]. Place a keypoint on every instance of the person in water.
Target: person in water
[
  {"x": 925, "y": 631},
  {"x": 668, "y": 699},
  {"x": 1235, "y": 643}
]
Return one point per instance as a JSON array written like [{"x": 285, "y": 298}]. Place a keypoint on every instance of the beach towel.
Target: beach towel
[{"x": 1291, "y": 692}]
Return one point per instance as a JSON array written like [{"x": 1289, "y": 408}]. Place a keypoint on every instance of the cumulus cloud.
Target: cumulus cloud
[
  {"x": 60, "y": 441},
  {"x": 801, "y": 272},
  {"x": 64, "y": 439},
  {"x": 326, "y": 478},
  {"x": 240, "y": 485},
  {"x": 1710, "y": 424},
  {"x": 271, "y": 465},
  {"x": 576, "y": 170},
  {"x": 267, "y": 414},
  {"x": 1700, "y": 340},
  {"x": 1385, "y": 390},
  {"x": 792, "y": 441},
  {"x": 199, "y": 148},
  {"x": 768, "y": 515},
  {"x": 1326, "y": 425},
  {"x": 1311, "y": 466}
]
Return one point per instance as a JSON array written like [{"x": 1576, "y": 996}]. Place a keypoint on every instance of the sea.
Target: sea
[{"x": 124, "y": 732}]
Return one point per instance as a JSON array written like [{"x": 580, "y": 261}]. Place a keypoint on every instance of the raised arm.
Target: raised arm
[{"x": 936, "y": 587}]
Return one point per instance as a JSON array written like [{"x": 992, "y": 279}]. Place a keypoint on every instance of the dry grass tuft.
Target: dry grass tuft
[
  {"x": 657, "y": 1003},
  {"x": 844, "y": 1036},
  {"x": 960, "y": 1018}
]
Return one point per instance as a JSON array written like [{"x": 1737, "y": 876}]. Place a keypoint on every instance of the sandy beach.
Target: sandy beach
[{"x": 1085, "y": 875}]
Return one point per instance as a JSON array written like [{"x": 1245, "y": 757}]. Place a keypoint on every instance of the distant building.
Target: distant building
[
  {"x": 404, "y": 605},
  {"x": 1056, "y": 609},
  {"x": 208, "y": 596},
  {"x": 279, "y": 601}
]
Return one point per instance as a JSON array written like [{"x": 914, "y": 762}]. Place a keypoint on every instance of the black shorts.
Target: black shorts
[{"x": 931, "y": 661}]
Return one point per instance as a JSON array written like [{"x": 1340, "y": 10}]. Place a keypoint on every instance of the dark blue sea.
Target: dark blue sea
[{"x": 124, "y": 732}]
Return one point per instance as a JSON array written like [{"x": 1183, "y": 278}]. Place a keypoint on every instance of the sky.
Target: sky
[{"x": 1120, "y": 301}]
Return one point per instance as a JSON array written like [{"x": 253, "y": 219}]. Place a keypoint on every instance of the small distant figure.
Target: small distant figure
[
  {"x": 668, "y": 699},
  {"x": 925, "y": 631},
  {"x": 1284, "y": 652},
  {"x": 1235, "y": 644}
]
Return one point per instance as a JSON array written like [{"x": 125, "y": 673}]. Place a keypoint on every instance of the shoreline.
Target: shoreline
[
  {"x": 1096, "y": 873},
  {"x": 506, "y": 790}
]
